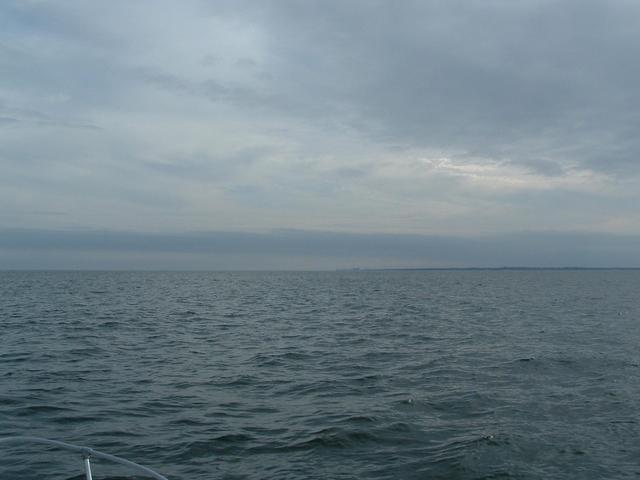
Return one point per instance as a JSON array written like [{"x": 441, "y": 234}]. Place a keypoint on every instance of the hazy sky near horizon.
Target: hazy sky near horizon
[{"x": 436, "y": 118}]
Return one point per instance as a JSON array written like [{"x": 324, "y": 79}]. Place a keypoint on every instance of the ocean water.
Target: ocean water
[{"x": 334, "y": 375}]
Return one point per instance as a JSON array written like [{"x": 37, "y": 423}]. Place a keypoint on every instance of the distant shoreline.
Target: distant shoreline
[
  {"x": 342, "y": 270},
  {"x": 483, "y": 268}
]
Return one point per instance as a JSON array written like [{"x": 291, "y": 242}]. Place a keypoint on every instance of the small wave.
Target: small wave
[
  {"x": 117, "y": 434},
  {"x": 526, "y": 359},
  {"x": 14, "y": 357},
  {"x": 110, "y": 324},
  {"x": 335, "y": 438},
  {"x": 36, "y": 409},
  {"x": 75, "y": 419},
  {"x": 229, "y": 443},
  {"x": 236, "y": 381},
  {"x": 187, "y": 422},
  {"x": 359, "y": 419},
  {"x": 83, "y": 477}
]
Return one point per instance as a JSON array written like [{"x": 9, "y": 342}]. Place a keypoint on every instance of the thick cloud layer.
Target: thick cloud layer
[
  {"x": 291, "y": 249},
  {"x": 427, "y": 117}
]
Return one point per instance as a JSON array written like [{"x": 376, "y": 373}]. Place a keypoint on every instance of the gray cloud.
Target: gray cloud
[
  {"x": 533, "y": 83},
  {"x": 8, "y": 120},
  {"x": 487, "y": 77}
]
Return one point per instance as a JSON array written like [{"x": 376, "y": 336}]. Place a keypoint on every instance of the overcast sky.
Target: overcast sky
[{"x": 486, "y": 126}]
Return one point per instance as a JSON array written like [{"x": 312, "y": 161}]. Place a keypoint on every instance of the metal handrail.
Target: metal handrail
[{"x": 86, "y": 454}]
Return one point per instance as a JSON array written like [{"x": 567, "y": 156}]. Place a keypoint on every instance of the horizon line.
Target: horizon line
[{"x": 346, "y": 269}]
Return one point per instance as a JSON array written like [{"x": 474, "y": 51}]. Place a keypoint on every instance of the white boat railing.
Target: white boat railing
[{"x": 86, "y": 453}]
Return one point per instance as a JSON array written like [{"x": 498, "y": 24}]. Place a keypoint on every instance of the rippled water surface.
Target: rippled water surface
[{"x": 336, "y": 375}]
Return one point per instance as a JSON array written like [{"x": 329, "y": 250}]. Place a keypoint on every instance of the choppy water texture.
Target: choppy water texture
[{"x": 337, "y": 375}]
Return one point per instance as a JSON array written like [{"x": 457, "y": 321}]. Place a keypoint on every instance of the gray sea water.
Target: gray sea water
[{"x": 335, "y": 375}]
